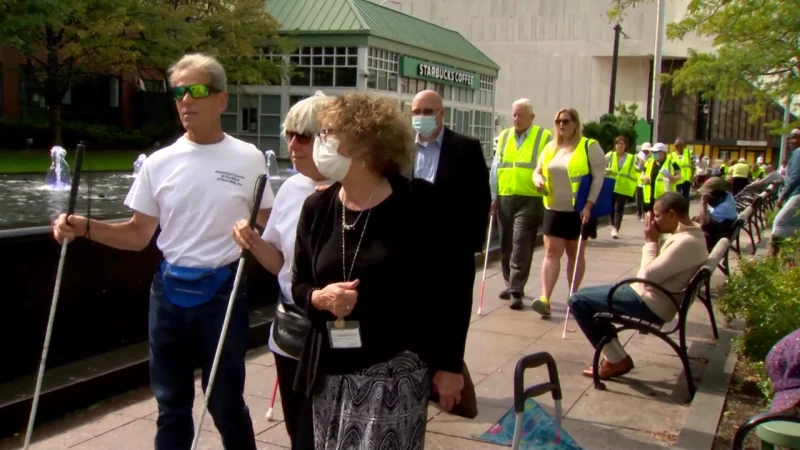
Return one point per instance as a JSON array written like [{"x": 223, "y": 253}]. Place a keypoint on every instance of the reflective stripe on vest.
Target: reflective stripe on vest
[
  {"x": 625, "y": 183},
  {"x": 515, "y": 165},
  {"x": 685, "y": 162},
  {"x": 577, "y": 167},
  {"x": 648, "y": 167}
]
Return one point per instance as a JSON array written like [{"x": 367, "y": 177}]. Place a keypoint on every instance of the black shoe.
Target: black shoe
[
  {"x": 516, "y": 303},
  {"x": 505, "y": 295}
]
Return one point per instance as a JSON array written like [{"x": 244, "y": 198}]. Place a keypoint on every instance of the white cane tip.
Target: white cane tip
[
  {"x": 269, "y": 414},
  {"x": 479, "y": 311}
]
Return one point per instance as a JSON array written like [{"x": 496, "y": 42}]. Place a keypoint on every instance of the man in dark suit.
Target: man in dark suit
[{"x": 455, "y": 164}]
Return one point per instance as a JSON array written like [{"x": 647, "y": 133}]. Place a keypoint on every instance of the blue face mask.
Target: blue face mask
[{"x": 424, "y": 125}]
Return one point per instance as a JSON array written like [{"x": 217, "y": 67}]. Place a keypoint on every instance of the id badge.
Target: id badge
[{"x": 344, "y": 334}]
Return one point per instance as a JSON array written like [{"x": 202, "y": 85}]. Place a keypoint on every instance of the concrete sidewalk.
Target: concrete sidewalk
[{"x": 645, "y": 409}]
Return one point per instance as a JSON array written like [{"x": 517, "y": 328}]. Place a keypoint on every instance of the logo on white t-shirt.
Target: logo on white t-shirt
[{"x": 228, "y": 177}]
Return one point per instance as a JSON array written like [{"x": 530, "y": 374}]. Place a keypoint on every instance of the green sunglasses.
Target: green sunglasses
[{"x": 195, "y": 91}]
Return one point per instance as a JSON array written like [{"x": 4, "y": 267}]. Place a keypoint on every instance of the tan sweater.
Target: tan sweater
[{"x": 672, "y": 267}]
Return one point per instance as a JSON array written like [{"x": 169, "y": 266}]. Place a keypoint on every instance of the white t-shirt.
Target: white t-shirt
[
  {"x": 199, "y": 192},
  {"x": 281, "y": 231}
]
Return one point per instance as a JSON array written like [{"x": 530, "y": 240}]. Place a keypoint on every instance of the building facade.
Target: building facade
[
  {"x": 559, "y": 53},
  {"x": 366, "y": 47}
]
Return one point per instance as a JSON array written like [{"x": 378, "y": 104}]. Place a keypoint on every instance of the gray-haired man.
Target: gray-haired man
[{"x": 195, "y": 190}]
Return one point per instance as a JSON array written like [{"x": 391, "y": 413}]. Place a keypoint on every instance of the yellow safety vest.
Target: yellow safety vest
[
  {"x": 625, "y": 183},
  {"x": 758, "y": 173},
  {"x": 515, "y": 165},
  {"x": 740, "y": 170},
  {"x": 646, "y": 189},
  {"x": 685, "y": 162},
  {"x": 577, "y": 168}
]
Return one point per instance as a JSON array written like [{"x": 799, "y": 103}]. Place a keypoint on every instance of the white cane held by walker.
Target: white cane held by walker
[
  {"x": 485, "y": 263},
  {"x": 261, "y": 183},
  {"x": 73, "y": 197},
  {"x": 572, "y": 285}
]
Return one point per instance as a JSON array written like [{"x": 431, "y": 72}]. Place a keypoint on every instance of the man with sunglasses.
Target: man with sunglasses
[{"x": 195, "y": 190}]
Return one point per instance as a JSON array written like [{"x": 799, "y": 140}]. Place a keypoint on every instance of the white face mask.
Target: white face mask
[{"x": 329, "y": 162}]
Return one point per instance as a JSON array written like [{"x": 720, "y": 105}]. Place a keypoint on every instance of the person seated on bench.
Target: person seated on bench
[
  {"x": 771, "y": 176},
  {"x": 717, "y": 211},
  {"x": 672, "y": 267}
]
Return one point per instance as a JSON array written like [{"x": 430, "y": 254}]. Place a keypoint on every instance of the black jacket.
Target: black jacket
[{"x": 462, "y": 179}]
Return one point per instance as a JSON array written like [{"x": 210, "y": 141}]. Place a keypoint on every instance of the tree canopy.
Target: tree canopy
[
  {"x": 64, "y": 41},
  {"x": 606, "y": 130},
  {"x": 757, "y": 50}
]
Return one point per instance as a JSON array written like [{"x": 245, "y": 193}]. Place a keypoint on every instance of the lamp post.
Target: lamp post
[
  {"x": 707, "y": 134},
  {"x": 614, "y": 62}
]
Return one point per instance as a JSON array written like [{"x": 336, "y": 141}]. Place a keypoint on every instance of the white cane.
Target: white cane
[
  {"x": 37, "y": 393},
  {"x": 485, "y": 263},
  {"x": 261, "y": 183},
  {"x": 572, "y": 285}
]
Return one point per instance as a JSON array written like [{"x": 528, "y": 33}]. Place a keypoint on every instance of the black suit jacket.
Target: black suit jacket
[{"x": 462, "y": 179}]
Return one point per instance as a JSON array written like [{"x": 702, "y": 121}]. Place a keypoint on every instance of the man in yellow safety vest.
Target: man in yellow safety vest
[
  {"x": 515, "y": 199},
  {"x": 685, "y": 159},
  {"x": 660, "y": 175}
]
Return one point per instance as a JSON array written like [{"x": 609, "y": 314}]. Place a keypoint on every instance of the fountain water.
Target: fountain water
[
  {"x": 272, "y": 164},
  {"x": 137, "y": 165},
  {"x": 58, "y": 176}
]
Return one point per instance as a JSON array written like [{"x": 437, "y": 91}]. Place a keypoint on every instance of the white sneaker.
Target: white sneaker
[{"x": 614, "y": 233}]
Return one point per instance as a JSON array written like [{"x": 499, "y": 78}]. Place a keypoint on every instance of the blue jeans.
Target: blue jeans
[
  {"x": 182, "y": 339},
  {"x": 589, "y": 301}
]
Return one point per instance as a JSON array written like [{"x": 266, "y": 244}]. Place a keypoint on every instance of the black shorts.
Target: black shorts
[{"x": 567, "y": 225}]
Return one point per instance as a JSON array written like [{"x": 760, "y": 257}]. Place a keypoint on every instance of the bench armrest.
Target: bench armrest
[{"x": 653, "y": 284}]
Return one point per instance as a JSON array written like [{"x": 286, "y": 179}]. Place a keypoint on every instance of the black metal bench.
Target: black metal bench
[{"x": 699, "y": 282}]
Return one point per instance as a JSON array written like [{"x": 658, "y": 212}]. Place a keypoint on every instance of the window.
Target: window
[
  {"x": 324, "y": 66},
  {"x": 383, "y": 68},
  {"x": 482, "y": 129},
  {"x": 255, "y": 119},
  {"x": 485, "y": 95},
  {"x": 155, "y": 85}
]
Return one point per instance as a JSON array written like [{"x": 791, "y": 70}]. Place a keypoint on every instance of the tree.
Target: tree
[
  {"x": 64, "y": 41},
  {"x": 610, "y": 126},
  {"x": 757, "y": 50},
  {"x": 235, "y": 31}
]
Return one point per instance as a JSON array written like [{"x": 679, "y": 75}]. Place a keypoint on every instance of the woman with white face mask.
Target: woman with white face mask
[{"x": 370, "y": 259}]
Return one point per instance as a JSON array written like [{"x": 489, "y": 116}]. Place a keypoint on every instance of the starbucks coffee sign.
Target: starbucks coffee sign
[
  {"x": 440, "y": 73},
  {"x": 424, "y": 70}
]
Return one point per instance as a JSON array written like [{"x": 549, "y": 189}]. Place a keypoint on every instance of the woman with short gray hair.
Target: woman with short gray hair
[{"x": 275, "y": 251}]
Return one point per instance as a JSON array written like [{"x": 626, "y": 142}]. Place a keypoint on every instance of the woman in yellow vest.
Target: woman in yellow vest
[
  {"x": 621, "y": 166},
  {"x": 563, "y": 163}
]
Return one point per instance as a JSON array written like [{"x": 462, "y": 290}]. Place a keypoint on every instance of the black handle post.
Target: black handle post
[
  {"x": 530, "y": 362},
  {"x": 261, "y": 183},
  {"x": 76, "y": 178}
]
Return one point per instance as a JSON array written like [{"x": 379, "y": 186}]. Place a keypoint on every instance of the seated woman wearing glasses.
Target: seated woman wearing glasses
[{"x": 369, "y": 262}]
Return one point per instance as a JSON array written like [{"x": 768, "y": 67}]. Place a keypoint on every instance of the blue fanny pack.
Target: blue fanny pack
[{"x": 192, "y": 286}]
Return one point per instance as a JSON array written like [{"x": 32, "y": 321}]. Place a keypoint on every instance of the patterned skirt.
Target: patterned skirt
[{"x": 384, "y": 407}]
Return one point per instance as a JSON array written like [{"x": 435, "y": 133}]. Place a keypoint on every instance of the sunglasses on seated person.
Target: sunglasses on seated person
[
  {"x": 301, "y": 138},
  {"x": 196, "y": 91}
]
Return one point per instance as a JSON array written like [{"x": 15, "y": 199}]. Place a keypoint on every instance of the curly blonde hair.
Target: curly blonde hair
[{"x": 373, "y": 129}]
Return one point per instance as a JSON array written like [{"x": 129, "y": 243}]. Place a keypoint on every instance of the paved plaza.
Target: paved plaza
[{"x": 645, "y": 409}]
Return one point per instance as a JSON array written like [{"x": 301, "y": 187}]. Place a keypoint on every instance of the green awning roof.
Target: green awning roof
[{"x": 308, "y": 17}]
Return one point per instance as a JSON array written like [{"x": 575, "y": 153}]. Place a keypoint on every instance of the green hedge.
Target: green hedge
[{"x": 15, "y": 133}]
